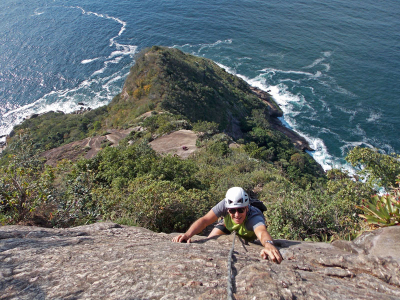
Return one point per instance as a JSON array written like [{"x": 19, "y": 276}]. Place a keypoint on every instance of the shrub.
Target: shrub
[
  {"x": 381, "y": 211},
  {"x": 163, "y": 205},
  {"x": 379, "y": 169},
  {"x": 311, "y": 215},
  {"x": 25, "y": 185}
]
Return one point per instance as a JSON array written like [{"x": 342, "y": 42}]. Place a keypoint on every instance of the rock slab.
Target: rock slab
[{"x": 109, "y": 261}]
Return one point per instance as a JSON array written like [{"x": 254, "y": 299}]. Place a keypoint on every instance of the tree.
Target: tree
[
  {"x": 25, "y": 185},
  {"x": 377, "y": 168}
]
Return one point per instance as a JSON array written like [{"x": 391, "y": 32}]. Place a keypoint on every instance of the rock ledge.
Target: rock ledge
[{"x": 109, "y": 261}]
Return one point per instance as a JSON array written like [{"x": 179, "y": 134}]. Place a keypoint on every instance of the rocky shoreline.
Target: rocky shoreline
[{"x": 275, "y": 112}]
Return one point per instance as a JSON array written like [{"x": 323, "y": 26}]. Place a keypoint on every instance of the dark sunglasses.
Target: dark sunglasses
[{"x": 232, "y": 211}]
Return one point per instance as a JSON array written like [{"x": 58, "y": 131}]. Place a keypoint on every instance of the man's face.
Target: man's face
[{"x": 238, "y": 215}]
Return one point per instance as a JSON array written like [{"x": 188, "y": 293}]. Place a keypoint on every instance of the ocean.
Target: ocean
[{"x": 333, "y": 67}]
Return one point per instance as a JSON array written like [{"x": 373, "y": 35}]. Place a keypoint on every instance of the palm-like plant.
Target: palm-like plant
[{"x": 382, "y": 211}]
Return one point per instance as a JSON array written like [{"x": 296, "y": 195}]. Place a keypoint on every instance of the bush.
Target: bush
[
  {"x": 382, "y": 211},
  {"x": 311, "y": 215},
  {"x": 163, "y": 205},
  {"x": 26, "y": 191},
  {"x": 379, "y": 169}
]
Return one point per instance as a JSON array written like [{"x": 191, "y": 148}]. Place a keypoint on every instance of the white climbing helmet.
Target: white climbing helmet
[{"x": 236, "y": 197}]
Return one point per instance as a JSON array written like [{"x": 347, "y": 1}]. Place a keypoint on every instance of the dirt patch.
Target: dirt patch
[
  {"x": 86, "y": 148},
  {"x": 181, "y": 143}
]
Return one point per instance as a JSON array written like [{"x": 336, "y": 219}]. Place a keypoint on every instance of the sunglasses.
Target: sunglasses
[{"x": 232, "y": 211}]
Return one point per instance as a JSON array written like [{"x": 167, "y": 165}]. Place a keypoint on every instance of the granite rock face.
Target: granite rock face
[{"x": 108, "y": 261}]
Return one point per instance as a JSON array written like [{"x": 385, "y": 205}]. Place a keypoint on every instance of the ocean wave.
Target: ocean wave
[
  {"x": 275, "y": 71},
  {"x": 315, "y": 62},
  {"x": 197, "y": 48},
  {"x": 105, "y": 16},
  {"x": 374, "y": 116},
  {"x": 347, "y": 146},
  {"x": 327, "y": 67},
  {"x": 88, "y": 61},
  {"x": 37, "y": 12}
]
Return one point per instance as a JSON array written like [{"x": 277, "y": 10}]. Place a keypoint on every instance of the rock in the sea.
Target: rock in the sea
[{"x": 109, "y": 261}]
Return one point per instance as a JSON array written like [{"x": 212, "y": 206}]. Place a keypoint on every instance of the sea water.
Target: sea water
[{"x": 333, "y": 67}]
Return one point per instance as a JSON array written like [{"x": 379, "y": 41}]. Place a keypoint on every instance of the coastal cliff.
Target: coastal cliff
[{"x": 161, "y": 80}]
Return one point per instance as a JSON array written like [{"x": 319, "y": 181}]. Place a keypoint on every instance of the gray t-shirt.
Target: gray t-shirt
[{"x": 254, "y": 219}]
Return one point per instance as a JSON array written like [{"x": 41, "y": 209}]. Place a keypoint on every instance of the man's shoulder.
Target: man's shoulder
[
  {"x": 255, "y": 213},
  {"x": 219, "y": 209},
  {"x": 254, "y": 210}
]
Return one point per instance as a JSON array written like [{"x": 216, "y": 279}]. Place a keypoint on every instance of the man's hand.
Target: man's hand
[
  {"x": 181, "y": 238},
  {"x": 272, "y": 253}
]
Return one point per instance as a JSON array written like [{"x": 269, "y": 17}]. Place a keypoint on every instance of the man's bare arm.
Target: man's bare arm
[
  {"x": 269, "y": 249},
  {"x": 196, "y": 227}
]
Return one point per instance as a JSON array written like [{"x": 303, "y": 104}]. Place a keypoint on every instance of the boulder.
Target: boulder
[{"x": 109, "y": 261}]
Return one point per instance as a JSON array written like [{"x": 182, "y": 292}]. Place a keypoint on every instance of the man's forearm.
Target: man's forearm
[
  {"x": 196, "y": 228},
  {"x": 263, "y": 235}
]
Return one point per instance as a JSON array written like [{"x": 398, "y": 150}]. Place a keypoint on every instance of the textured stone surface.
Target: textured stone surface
[
  {"x": 107, "y": 261},
  {"x": 174, "y": 142}
]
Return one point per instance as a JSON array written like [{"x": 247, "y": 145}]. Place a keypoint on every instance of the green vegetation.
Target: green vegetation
[
  {"x": 132, "y": 184},
  {"x": 382, "y": 211}
]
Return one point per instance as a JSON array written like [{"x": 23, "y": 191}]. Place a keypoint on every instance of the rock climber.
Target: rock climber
[{"x": 247, "y": 220}]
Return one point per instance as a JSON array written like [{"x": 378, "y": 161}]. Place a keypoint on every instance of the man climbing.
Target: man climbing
[{"x": 239, "y": 216}]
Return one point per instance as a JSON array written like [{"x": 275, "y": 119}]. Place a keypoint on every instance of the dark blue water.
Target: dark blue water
[{"x": 333, "y": 67}]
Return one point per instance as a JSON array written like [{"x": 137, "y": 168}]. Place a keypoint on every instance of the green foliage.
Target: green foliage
[
  {"x": 54, "y": 129},
  {"x": 164, "y": 123},
  {"x": 382, "y": 211},
  {"x": 26, "y": 192},
  {"x": 176, "y": 170},
  {"x": 343, "y": 188},
  {"x": 163, "y": 205},
  {"x": 311, "y": 215},
  {"x": 77, "y": 203},
  {"x": 188, "y": 85},
  {"x": 120, "y": 164},
  {"x": 379, "y": 169},
  {"x": 207, "y": 128}
]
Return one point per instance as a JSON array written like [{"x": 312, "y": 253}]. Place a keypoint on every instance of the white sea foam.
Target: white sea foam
[
  {"x": 204, "y": 46},
  {"x": 327, "y": 67},
  {"x": 88, "y": 61},
  {"x": 286, "y": 101},
  {"x": 37, "y": 12},
  {"x": 97, "y": 72},
  {"x": 280, "y": 55},
  {"x": 358, "y": 131},
  {"x": 350, "y": 145},
  {"x": 350, "y": 112},
  {"x": 317, "y": 74},
  {"x": 318, "y": 61},
  {"x": 315, "y": 62},
  {"x": 374, "y": 116},
  {"x": 274, "y": 71}
]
